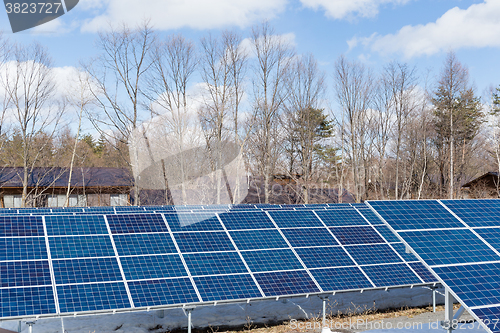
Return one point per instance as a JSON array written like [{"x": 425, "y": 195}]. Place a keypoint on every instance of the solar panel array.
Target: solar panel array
[
  {"x": 459, "y": 240},
  {"x": 57, "y": 264}
]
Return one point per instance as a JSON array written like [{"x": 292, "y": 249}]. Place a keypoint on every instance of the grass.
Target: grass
[{"x": 353, "y": 314}]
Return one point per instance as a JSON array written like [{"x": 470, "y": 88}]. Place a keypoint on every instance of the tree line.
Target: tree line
[{"x": 387, "y": 134}]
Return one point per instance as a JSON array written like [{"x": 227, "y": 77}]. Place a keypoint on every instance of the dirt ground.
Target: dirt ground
[{"x": 354, "y": 321}]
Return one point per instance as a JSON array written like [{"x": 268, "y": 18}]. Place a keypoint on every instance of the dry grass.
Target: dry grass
[{"x": 354, "y": 313}]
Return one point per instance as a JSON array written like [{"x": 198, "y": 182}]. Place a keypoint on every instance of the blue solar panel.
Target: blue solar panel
[
  {"x": 368, "y": 214},
  {"x": 423, "y": 214},
  {"x": 316, "y": 257},
  {"x": 309, "y": 237},
  {"x": 26, "y": 301},
  {"x": 295, "y": 219},
  {"x": 103, "y": 209},
  {"x": 341, "y": 217},
  {"x": 258, "y": 239},
  {"x": 246, "y": 220},
  {"x": 476, "y": 213},
  {"x": 75, "y": 225},
  {"x": 286, "y": 283},
  {"x": 271, "y": 260},
  {"x": 443, "y": 247},
  {"x": 136, "y": 223},
  {"x": 391, "y": 275},
  {"x": 137, "y": 244},
  {"x": 92, "y": 297},
  {"x": 423, "y": 272},
  {"x": 24, "y": 273},
  {"x": 30, "y": 248},
  {"x": 214, "y": 263},
  {"x": 152, "y": 267},
  {"x": 203, "y": 241},
  {"x": 373, "y": 254},
  {"x": 401, "y": 249},
  {"x": 193, "y": 221},
  {"x": 162, "y": 292},
  {"x": 357, "y": 235},
  {"x": 490, "y": 317},
  {"x": 491, "y": 235},
  {"x": 21, "y": 226},
  {"x": 86, "y": 270},
  {"x": 80, "y": 247},
  {"x": 224, "y": 287},
  {"x": 165, "y": 208},
  {"x": 475, "y": 285},
  {"x": 387, "y": 234},
  {"x": 343, "y": 278}
]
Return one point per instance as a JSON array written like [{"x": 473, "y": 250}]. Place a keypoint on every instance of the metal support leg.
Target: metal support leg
[
  {"x": 448, "y": 312},
  {"x": 189, "y": 320},
  {"x": 30, "y": 325},
  {"x": 62, "y": 325},
  {"x": 19, "y": 327},
  {"x": 325, "y": 329},
  {"x": 433, "y": 299}
]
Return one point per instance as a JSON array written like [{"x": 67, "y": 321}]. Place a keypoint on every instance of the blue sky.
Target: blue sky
[{"x": 375, "y": 32}]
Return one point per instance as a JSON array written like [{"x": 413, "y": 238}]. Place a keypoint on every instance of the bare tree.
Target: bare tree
[
  {"x": 274, "y": 56},
  {"x": 354, "y": 89},
  {"x": 174, "y": 62},
  {"x": 30, "y": 87},
  {"x": 305, "y": 123},
  {"x": 80, "y": 99},
  {"x": 117, "y": 83}
]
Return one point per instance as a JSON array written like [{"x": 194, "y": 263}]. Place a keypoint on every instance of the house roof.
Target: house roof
[
  {"x": 475, "y": 180},
  {"x": 58, "y": 177}
]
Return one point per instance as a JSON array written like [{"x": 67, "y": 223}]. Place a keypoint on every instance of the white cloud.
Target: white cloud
[
  {"x": 340, "y": 9},
  {"x": 475, "y": 27},
  {"x": 248, "y": 48},
  {"x": 173, "y": 14}
]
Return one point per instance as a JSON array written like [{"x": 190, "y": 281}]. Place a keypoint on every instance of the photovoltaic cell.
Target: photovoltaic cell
[
  {"x": 27, "y": 301},
  {"x": 286, "y": 283},
  {"x": 490, "y": 317},
  {"x": 295, "y": 219},
  {"x": 271, "y": 260},
  {"x": 30, "y": 248},
  {"x": 391, "y": 275},
  {"x": 401, "y": 249},
  {"x": 475, "y": 285},
  {"x": 476, "y": 213},
  {"x": 214, "y": 263},
  {"x": 193, "y": 221},
  {"x": 246, "y": 220},
  {"x": 344, "y": 217},
  {"x": 92, "y": 297},
  {"x": 491, "y": 235},
  {"x": 444, "y": 247},
  {"x": 309, "y": 237},
  {"x": 224, "y": 287},
  {"x": 21, "y": 226},
  {"x": 368, "y": 214},
  {"x": 373, "y": 254},
  {"x": 162, "y": 292},
  {"x": 24, "y": 273},
  {"x": 80, "y": 247},
  {"x": 258, "y": 239},
  {"x": 357, "y": 235},
  {"x": 421, "y": 214},
  {"x": 86, "y": 270},
  {"x": 316, "y": 257},
  {"x": 75, "y": 225},
  {"x": 137, "y": 244},
  {"x": 387, "y": 234},
  {"x": 343, "y": 278},
  {"x": 423, "y": 272},
  {"x": 203, "y": 241},
  {"x": 136, "y": 223},
  {"x": 151, "y": 267}
]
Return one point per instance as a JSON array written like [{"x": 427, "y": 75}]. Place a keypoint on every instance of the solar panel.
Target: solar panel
[
  {"x": 458, "y": 240},
  {"x": 135, "y": 259}
]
